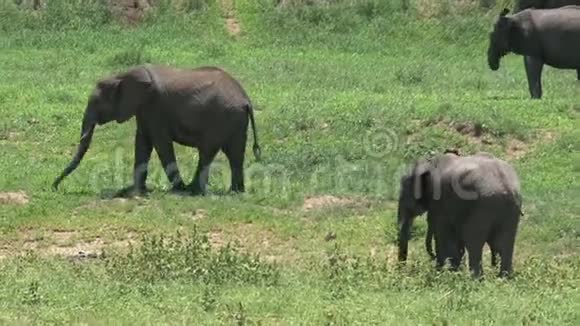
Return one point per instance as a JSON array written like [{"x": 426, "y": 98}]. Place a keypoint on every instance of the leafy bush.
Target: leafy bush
[
  {"x": 191, "y": 257},
  {"x": 130, "y": 58}
]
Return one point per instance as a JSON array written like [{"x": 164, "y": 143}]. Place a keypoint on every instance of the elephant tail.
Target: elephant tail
[{"x": 256, "y": 148}]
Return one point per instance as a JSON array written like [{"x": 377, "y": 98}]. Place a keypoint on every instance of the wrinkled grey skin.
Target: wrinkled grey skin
[
  {"x": 469, "y": 201},
  {"x": 542, "y": 36},
  {"x": 203, "y": 108}
]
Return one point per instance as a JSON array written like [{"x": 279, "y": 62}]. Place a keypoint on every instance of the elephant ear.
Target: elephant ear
[
  {"x": 421, "y": 182},
  {"x": 134, "y": 89}
]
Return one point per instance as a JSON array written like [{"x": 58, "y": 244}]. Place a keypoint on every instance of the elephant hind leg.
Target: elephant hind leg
[
  {"x": 578, "y": 74},
  {"x": 235, "y": 151},
  {"x": 494, "y": 253},
  {"x": 506, "y": 243},
  {"x": 201, "y": 176},
  {"x": 474, "y": 250},
  {"x": 475, "y": 232}
]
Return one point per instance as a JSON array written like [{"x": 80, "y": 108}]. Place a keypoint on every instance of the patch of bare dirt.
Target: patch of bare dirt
[
  {"x": 474, "y": 133},
  {"x": 477, "y": 135},
  {"x": 129, "y": 11},
  {"x": 252, "y": 238},
  {"x": 199, "y": 214},
  {"x": 516, "y": 149},
  {"x": 65, "y": 243},
  {"x": 14, "y": 198},
  {"x": 328, "y": 201},
  {"x": 232, "y": 23}
]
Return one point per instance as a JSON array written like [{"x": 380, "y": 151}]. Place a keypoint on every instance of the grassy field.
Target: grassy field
[{"x": 345, "y": 97}]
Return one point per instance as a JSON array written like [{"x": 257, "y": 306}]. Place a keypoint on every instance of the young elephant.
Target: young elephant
[
  {"x": 204, "y": 108},
  {"x": 542, "y": 36},
  {"x": 460, "y": 244},
  {"x": 468, "y": 199}
]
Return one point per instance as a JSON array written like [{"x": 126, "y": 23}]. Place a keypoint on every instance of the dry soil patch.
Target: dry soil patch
[
  {"x": 232, "y": 23},
  {"x": 67, "y": 243},
  {"x": 251, "y": 238},
  {"x": 15, "y": 198},
  {"x": 329, "y": 201}
]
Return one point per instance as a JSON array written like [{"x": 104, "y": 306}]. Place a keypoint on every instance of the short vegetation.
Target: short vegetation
[{"x": 346, "y": 93}]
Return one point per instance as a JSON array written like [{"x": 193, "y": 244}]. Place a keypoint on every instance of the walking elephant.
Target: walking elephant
[
  {"x": 469, "y": 200},
  {"x": 203, "y": 108},
  {"x": 542, "y": 36}
]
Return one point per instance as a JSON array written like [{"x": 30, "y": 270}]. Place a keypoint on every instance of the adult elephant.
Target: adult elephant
[
  {"x": 541, "y": 4},
  {"x": 203, "y": 108},
  {"x": 542, "y": 36},
  {"x": 468, "y": 199}
]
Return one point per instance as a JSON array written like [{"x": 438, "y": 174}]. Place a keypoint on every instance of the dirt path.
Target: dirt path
[{"x": 232, "y": 23}]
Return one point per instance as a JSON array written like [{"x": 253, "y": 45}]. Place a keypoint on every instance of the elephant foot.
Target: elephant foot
[
  {"x": 195, "y": 190},
  {"x": 132, "y": 191},
  {"x": 179, "y": 189},
  {"x": 237, "y": 190}
]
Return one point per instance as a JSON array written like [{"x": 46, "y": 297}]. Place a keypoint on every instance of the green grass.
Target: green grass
[{"x": 345, "y": 96}]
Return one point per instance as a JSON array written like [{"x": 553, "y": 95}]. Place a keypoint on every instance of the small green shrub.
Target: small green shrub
[
  {"x": 130, "y": 58},
  {"x": 189, "y": 257}
]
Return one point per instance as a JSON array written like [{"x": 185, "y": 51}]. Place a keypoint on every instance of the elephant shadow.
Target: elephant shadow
[{"x": 504, "y": 97}]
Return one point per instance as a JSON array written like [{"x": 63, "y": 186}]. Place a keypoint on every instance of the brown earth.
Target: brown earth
[
  {"x": 14, "y": 198},
  {"x": 476, "y": 134},
  {"x": 65, "y": 243},
  {"x": 328, "y": 201},
  {"x": 232, "y": 23},
  {"x": 255, "y": 239}
]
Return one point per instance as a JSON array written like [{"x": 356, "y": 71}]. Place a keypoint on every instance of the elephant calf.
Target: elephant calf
[
  {"x": 203, "y": 108},
  {"x": 542, "y": 36},
  {"x": 469, "y": 201}
]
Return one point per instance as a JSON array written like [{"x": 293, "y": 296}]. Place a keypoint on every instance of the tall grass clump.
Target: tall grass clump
[
  {"x": 57, "y": 15},
  {"x": 189, "y": 257}
]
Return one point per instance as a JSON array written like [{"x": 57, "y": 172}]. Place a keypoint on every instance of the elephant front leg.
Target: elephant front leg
[
  {"x": 166, "y": 153},
  {"x": 441, "y": 246},
  {"x": 143, "y": 149},
  {"x": 534, "y": 68}
]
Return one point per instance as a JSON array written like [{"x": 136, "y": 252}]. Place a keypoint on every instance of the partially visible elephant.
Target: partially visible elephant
[
  {"x": 203, "y": 108},
  {"x": 542, "y": 36},
  {"x": 469, "y": 200},
  {"x": 543, "y": 4}
]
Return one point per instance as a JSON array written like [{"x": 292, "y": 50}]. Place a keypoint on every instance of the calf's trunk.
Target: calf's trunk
[
  {"x": 88, "y": 127},
  {"x": 404, "y": 234}
]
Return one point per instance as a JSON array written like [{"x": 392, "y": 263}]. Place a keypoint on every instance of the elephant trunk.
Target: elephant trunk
[
  {"x": 404, "y": 234},
  {"x": 429, "y": 240},
  {"x": 493, "y": 58},
  {"x": 88, "y": 127}
]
